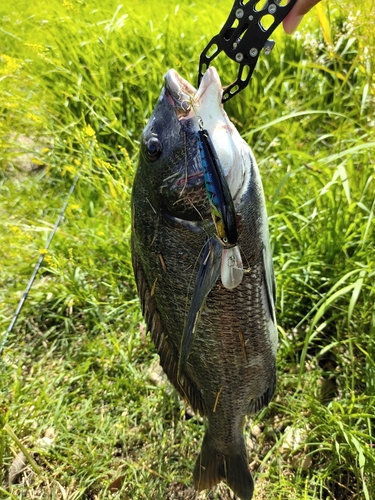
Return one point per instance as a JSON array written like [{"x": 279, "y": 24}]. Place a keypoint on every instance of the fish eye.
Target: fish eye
[{"x": 153, "y": 149}]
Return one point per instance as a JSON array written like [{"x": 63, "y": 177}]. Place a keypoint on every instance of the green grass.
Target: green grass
[{"x": 78, "y": 81}]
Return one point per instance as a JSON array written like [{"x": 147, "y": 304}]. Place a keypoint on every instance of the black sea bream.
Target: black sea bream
[{"x": 210, "y": 309}]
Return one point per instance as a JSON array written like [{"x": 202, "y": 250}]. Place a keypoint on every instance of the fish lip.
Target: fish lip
[
  {"x": 179, "y": 92},
  {"x": 211, "y": 77},
  {"x": 185, "y": 100}
]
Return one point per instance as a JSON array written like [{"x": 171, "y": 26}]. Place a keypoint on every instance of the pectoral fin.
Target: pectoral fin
[{"x": 208, "y": 273}]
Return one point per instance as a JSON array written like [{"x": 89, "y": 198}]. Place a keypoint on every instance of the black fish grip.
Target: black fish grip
[{"x": 243, "y": 36}]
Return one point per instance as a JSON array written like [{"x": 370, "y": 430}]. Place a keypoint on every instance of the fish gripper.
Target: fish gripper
[{"x": 245, "y": 33}]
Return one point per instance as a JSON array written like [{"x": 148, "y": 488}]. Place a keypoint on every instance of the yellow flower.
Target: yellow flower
[
  {"x": 10, "y": 105},
  {"x": 68, "y": 5},
  {"x": 38, "y": 48},
  {"x": 70, "y": 169},
  {"x": 48, "y": 259},
  {"x": 10, "y": 66},
  {"x": 126, "y": 155},
  {"x": 34, "y": 117},
  {"x": 103, "y": 164},
  {"x": 35, "y": 161},
  {"x": 89, "y": 131}
]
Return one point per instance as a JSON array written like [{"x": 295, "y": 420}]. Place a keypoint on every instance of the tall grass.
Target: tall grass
[{"x": 78, "y": 81}]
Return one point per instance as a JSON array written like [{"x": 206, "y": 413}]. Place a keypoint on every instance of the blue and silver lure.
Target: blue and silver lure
[{"x": 222, "y": 210}]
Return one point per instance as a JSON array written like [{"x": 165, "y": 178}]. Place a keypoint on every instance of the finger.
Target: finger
[{"x": 295, "y": 16}]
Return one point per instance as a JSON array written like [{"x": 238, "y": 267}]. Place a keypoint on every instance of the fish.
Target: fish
[{"x": 216, "y": 338}]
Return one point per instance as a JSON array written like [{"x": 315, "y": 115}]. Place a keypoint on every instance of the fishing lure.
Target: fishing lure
[
  {"x": 222, "y": 210},
  {"x": 231, "y": 267},
  {"x": 221, "y": 201}
]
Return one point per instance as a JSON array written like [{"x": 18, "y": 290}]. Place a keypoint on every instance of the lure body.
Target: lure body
[
  {"x": 222, "y": 210},
  {"x": 222, "y": 207}
]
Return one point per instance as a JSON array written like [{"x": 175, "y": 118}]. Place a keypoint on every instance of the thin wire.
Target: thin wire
[{"x": 37, "y": 266}]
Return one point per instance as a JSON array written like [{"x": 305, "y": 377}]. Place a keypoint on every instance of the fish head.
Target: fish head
[
  {"x": 169, "y": 155},
  {"x": 170, "y": 159}
]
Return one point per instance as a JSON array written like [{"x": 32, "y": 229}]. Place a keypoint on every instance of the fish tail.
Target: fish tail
[{"x": 213, "y": 466}]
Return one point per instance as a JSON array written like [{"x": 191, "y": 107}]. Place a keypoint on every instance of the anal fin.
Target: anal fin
[{"x": 258, "y": 403}]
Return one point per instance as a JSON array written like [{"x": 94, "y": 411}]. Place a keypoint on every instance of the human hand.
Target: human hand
[{"x": 295, "y": 16}]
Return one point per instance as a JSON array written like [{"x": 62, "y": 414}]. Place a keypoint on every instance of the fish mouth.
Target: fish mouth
[
  {"x": 202, "y": 107},
  {"x": 185, "y": 98},
  {"x": 180, "y": 95}
]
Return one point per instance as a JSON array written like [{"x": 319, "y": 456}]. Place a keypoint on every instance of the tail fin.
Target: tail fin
[{"x": 213, "y": 466}]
